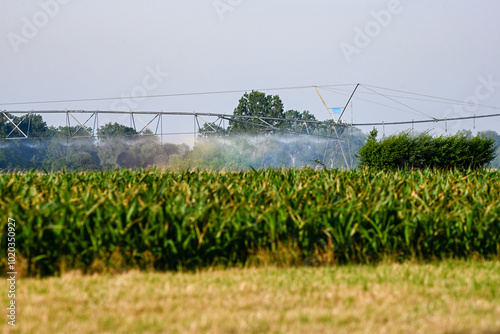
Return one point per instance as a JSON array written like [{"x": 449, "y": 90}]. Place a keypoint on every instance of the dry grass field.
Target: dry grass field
[{"x": 440, "y": 297}]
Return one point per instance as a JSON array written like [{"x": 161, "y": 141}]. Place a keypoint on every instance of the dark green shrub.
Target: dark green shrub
[{"x": 405, "y": 150}]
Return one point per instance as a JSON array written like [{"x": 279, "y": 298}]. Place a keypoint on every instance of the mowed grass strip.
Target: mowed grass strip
[{"x": 441, "y": 297}]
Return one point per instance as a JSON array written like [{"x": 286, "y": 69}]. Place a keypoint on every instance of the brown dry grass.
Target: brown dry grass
[{"x": 445, "y": 297}]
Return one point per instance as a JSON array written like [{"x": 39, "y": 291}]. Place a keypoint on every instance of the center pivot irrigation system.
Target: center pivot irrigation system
[{"x": 85, "y": 124}]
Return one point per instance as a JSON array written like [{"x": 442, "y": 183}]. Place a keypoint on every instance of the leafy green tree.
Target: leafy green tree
[
  {"x": 69, "y": 148},
  {"x": 259, "y": 105},
  {"x": 114, "y": 140},
  {"x": 210, "y": 130},
  {"x": 32, "y": 126},
  {"x": 25, "y": 153},
  {"x": 111, "y": 130},
  {"x": 299, "y": 126},
  {"x": 326, "y": 128},
  {"x": 144, "y": 151},
  {"x": 70, "y": 131},
  {"x": 83, "y": 161}
]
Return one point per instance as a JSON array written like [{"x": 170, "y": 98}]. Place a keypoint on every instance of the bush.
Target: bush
[{"x": 421, "y": 151}]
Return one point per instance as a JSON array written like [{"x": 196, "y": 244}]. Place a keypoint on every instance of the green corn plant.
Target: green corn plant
[{"x": 172, "y": 220}]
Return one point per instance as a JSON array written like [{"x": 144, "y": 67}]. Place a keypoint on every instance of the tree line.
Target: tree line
[{"x": 286, "y": 138}]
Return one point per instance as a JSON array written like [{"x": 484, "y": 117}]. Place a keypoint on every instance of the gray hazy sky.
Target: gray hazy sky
[{"x": 56, "y": 50}]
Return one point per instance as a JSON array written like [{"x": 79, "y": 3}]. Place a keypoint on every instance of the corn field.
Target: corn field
[{"x": 171, "y": 220}]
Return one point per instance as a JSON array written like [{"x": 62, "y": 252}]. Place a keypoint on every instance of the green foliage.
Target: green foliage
[
  {"x": 117, "y": 146},
  {"x": 256, "y": 104},
  {"x": 22, "y": 153},
  {"x": 173, "y": 220},
  {"x": 297, "y": 126},
  {"x": 405, "y": 150},
  {"x": 243, "y": 152},
  {"x": 211, "y": 130},
  {"x": 110, "y": 130},
  {"x": 71, "y": 131},
  {"x": 33, "y": 126}
]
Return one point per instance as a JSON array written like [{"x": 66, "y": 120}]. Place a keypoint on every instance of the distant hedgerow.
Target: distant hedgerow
[{"x": 421, "y": 151}]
